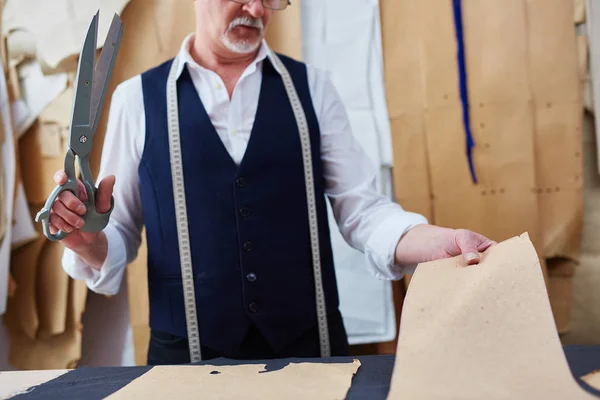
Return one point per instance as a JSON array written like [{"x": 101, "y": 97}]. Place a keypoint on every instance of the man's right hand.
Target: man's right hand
[{"x": 67, "y": 210}]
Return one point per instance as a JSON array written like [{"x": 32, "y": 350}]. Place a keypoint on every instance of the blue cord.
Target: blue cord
[{"x": 457, "y": 8}]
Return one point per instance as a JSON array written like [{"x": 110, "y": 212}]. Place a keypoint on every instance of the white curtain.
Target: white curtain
[{"x": 344, "y": 37}]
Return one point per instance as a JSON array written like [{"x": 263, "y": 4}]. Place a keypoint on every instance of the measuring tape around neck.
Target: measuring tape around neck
[{"x": 181, "y": 210}]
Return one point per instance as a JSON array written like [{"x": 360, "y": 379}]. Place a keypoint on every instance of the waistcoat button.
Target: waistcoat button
[
  {"x": 251, "y": 276},
  {"x": 241, "y": 181},
  {"x": 253, "y": 307},
  {"x": 248, "y": 246},
  {"x": 244, "y": 212}
]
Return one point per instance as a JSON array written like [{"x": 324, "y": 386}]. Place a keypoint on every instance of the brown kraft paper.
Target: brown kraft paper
[
  {"x": 481, "y": 332},
  {"x": 314, "y": 381}
]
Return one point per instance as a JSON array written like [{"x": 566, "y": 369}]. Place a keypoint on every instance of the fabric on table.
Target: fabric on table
[{"x": 372, "y": 380}]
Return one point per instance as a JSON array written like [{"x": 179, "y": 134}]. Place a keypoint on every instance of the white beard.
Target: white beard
[{"x": 242, "y": 46}]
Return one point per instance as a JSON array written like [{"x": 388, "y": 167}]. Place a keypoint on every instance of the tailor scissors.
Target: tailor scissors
[{"x": 90, "y": 89}]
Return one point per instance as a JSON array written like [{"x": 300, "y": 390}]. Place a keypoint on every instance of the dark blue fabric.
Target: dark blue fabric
[
  {"x": 248, "y": 225},
  {"x": 583, "y": 360},
  {"x": 462, "y": 75},
  {"x": 372, "y": 380}
]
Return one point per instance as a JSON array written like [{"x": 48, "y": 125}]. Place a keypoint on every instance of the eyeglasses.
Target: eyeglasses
[{"x": 270, "y": 4}]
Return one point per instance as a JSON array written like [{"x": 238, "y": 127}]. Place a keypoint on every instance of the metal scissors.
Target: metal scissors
[{"x": 90, "y": 89}]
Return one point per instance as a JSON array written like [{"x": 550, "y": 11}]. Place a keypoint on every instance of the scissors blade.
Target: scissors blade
[
  {"x": 80, "y": 118},
  {"x": 104, "y": 70}
]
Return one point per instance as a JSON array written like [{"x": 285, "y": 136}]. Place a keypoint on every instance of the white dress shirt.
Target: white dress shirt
[{"x": 367, "y": 220}]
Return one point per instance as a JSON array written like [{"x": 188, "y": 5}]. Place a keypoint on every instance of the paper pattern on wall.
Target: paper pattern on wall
[
  {"x": 38, "y": 91},
  {"x": 58, "y": 26},
  {"x": 252, "y": 381},
  {"x": 482, "y": 332},
  {"x": 558, "y": 101},
  {"x": 23, "y": 229},
  {"x": 343, "y": 38},
  {"x": 511, "y": 129}
]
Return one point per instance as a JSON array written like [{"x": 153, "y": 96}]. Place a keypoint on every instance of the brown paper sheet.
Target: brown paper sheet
[
  {"x": 36, "y": 168},
  {"x": 481, "y": 332},
  {"x": 24, "y": 267},
  {"x": 295, "y": 381},
  {"x": 558, "y": 114},
  {"x": 52, "y": 288},
  {"x": 43, "y": 318},
  {"x": 579, "y": 11},
  {"x": 560, "y": 289},
  {"x": 53, "y": 352},
  {"x": 516, "y": 102},
  {"x": 592, "y": 379}
]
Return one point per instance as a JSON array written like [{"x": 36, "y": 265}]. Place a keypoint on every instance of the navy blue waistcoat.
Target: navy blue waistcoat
[{"x": 248, "y": 224}]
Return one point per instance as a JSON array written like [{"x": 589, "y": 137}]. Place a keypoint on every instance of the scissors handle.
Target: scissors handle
[{"x": 94, "y": 221}]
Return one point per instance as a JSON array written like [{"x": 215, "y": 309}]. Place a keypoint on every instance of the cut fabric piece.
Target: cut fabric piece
[
  {"x": 317, "y": 381},
  {"x": 482, "y": 332}
]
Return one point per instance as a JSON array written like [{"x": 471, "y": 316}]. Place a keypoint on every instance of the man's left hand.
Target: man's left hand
[{"x": 429, "y": 242}]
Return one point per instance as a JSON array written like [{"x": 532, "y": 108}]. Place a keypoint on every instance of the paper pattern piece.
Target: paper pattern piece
[
  {"x": 13, "y": 383},
  {"x": 296, "y": 381},
  {"x": 592, "y": 379},
  {"x": 38, "y": 92},
  {"x": 519, "y": 112},
  {"x": 58, "y": 26},
  {"x": 23, "y": 229},
  {"x": 482, "y": 332},
  {"x": 558, "y": 116},
  {"x": 344, "y": 38}
]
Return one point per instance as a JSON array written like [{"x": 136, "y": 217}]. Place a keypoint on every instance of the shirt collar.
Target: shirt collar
[{"x": 185, "y": 57}]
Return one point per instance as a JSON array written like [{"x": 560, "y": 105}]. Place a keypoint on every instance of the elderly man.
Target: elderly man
[{"x": 248, "y": 211}]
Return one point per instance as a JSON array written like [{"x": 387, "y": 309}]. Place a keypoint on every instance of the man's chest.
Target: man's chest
[{"x": 231, "y": 105}]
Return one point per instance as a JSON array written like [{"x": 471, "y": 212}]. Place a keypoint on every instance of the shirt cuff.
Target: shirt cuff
[
  {"x": 381, "y": 246},
  {"x": 108, "y": 279}
]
